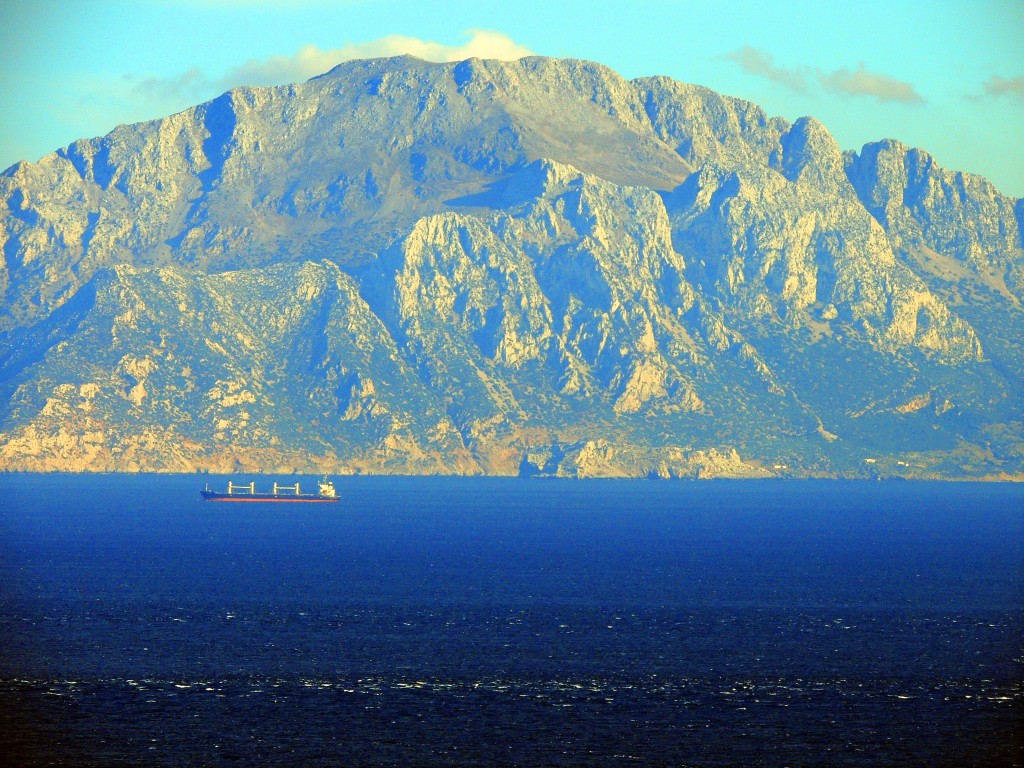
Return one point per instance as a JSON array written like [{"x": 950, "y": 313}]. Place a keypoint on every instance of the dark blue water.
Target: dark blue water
[{"x": 510, "y": 622}]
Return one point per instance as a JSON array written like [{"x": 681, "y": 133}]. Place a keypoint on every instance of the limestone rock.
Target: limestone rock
[{"x": 505, "y": 267}]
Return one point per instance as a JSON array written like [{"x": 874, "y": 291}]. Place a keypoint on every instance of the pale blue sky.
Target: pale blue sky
[{"x": 945, "y": 75}]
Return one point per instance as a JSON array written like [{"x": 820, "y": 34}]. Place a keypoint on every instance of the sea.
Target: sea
[{"x": 511, "y": 622}]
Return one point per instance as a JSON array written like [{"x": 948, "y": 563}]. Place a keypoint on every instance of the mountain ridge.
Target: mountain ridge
[{"x": 536, "y": 267}]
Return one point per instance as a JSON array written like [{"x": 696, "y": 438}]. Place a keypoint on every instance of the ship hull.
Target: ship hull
[{"x": 267, "y": 497}]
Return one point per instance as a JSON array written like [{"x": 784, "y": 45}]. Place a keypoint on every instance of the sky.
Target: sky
[{"x": 943, "y": 75}]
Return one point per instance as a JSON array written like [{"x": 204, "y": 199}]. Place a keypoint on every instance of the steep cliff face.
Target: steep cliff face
[
  {"x": 262, "y": 369},
  {"x": 505, "y": 267},
  {"x": 573, "y": 286},
  {"x": 922, "y": 205},
  {"x": 790, "y": 241},
  {"x": 957, "y": 232}
]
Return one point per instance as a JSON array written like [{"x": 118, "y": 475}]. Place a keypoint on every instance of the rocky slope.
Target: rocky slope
[{"x": 530, "y": 267}]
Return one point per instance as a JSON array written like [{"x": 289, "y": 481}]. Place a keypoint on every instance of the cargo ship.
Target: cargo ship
[{"x": 279, "y": 493}]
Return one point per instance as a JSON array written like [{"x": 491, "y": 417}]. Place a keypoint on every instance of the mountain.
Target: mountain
[{"x": 529, "y": 267}]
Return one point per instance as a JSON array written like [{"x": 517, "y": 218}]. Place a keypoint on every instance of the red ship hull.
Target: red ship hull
[
  {"x": 290, "y": 494},
  {"x": 265, "y": 498}
]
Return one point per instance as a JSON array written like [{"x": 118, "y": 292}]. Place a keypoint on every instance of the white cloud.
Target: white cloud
[
  {"x": 182, "y": 86},
  {"x": 244, "y": 4},
  {"x": 760, "y": 63},
  {"x": 1001, "y": 86},
  {"x": 135, "y": 97},
  {"x": 310, "y": 60},
  {"x": 861, "y": 82}
]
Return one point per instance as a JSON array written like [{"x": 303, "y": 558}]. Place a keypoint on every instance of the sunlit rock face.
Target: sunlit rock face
[{"x": 530, "y": 267}]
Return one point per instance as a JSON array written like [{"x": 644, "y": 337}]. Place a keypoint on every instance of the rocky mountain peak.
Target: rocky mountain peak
[
  {"x": 923, "y": 206},
  {"x": 807, "y": 148},
  {"x": 533, "y": 266}
]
